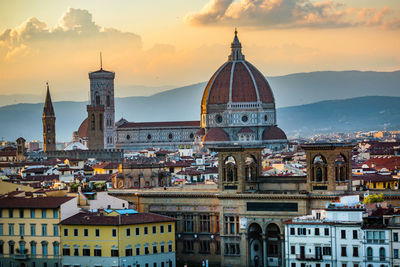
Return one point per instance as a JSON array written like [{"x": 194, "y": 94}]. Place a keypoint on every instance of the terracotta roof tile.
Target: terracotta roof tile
[
  {"x": 97, "y": 219},
  {"x": 215, "y": 134},
  {"x": 273, "y": 133},
  {"x": 243, "y": 89},
  {"x": 35, "y": 202},
  {"x": 160, "y": 124},
  {"x": 219, "y": 89},
  {"x": 83, "y": 129}
]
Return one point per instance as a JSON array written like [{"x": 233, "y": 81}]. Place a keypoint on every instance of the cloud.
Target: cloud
[
  {"x": 289, "y": 14},
  {"x": 76, "y": 26}
]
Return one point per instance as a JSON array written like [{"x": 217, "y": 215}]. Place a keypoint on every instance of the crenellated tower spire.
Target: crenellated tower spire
[
  {"x": 48, "y": 109},
  {"x": 49, "y": 123},
  {"x": 236, "y": 49}
]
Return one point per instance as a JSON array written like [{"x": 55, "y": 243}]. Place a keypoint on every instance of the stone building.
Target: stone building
[
  {"x": 21, "y": 149},
  {"x": 49, "y": 124},
  {"x": 240, "y": 223},
  {"x": 141, "y": 176},
  {"x": 237, "y": 107},
  {"x": 101, "y": 111}
]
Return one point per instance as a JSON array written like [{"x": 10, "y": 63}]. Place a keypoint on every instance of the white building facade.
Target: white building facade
[{"x": 337, "y": 237}]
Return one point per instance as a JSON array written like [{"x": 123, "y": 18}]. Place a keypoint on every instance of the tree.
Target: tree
[{"x": 375, "y": 198}]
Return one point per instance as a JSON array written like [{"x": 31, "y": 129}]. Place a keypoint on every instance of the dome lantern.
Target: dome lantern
[{"x": 236, "y": 49}]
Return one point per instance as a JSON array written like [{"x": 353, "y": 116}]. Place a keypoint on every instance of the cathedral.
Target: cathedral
[{"x": 237, "y": 108}]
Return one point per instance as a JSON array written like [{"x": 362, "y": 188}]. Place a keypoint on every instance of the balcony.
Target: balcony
[
  {"x": 308, "y": 257},
  {"x": 21, "y": 254},
  {"x": 21, "y": 257}
]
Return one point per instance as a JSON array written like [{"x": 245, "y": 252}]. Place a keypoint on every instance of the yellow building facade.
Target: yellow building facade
[
  {"x": 118, "y": 239},
  {"x": 30, "y": 231}
]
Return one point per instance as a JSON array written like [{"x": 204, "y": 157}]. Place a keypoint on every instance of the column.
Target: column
[
  {"x": 283, "y": 263},
  {"x": 265, "y": 255}
]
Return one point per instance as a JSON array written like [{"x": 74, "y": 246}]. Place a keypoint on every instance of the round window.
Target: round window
[
  {"x": 191, "y": 136},
  {"x": 149, "y": 137},
  {"x": 266, "y": 117},
  {"x": 170, "y": 136},
  {"x": 218, "y": 118},
  {"x": 128, "y": 137},
  {"x": 245, "y": 118}
]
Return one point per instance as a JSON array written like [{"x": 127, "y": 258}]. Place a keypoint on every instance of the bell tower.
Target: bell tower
[
  {"x": 101, "y": 111},
  {"x": 49, "y": 124},
  {"x": 238, "y": 168},
  {"x": 328, "y": 167}
]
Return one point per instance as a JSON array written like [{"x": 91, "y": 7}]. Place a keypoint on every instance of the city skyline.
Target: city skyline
[{"x": 147, "y": 46}]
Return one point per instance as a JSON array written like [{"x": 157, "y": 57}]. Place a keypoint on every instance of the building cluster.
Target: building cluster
[
  {"x": 345, "y": 233},
  {"x": 227, "y": 190},
  {"x": 40, "y": 229}
]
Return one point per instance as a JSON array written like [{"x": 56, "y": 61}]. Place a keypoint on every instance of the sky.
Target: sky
[{"x": 157, "y": 44}]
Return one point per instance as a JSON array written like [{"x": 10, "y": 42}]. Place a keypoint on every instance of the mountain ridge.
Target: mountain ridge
[
  {"x": 359, "y": 113},
  {"x": 292, "y": 94}
]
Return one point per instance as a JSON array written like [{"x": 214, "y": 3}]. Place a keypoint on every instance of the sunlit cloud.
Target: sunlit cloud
[{"x": 272, "y": 14}]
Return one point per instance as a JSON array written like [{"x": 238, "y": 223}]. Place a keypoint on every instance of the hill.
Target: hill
[{"x": 361, "y": 113}]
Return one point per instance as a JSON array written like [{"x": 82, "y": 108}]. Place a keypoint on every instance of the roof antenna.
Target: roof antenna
[{"x": 101, "y": 62}]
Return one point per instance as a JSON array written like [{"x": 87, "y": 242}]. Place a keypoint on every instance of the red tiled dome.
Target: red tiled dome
[
  {"x": 215, "y": 134},
  {"x": 239, "y": 81},
  {"x": 273, "y": 133},
  {"x": 83, "y": 129}
]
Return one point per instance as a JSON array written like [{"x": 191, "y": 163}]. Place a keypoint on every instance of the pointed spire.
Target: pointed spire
[
  {"x": 101, "y": 61},
  {"x": 48, "y": 109},
  {"x": 236, "y": 49}
]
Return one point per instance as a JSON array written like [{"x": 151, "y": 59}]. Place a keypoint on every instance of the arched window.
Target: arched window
[
  {"x": 230, "y": 170},
  {"x": 97, "y": 98},
  {"x": 108, "y": 100},
  {"x": 44, "y": 248},
  {"x": 56, "y": 248},
  {"x": 319, "y": 174},
  {"x": 382, "y": 254},
  {"x": 250, "y": 168},
  {"x": 93, "y": 122},
  {"x": 319, "y": 169},
  {"x": 340, "y": 168},
  {"x": 33, "y": 248},
  {"x": 369, "y": 253}
]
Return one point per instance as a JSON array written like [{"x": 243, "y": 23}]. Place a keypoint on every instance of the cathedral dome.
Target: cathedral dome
[
  {"x": 237, "y": 81},
  {"x": 273, "y": 133},
  {"x": 83, "y": 129}
]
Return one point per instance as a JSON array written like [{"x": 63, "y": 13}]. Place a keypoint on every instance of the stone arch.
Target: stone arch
[
  {"x": 319, "y": 169},
  {"x": 230, "y": 169},
  {"x": 255, "y": 237},
  {"x": 251, "y": 167},
  {"x": 274, "y": 242},
  {"x": 341, "y": 170}
]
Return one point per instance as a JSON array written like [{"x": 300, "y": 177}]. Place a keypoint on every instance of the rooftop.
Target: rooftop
[
  {"x": 85, "y": 218},
  {"x": 34, "y": 202}
]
